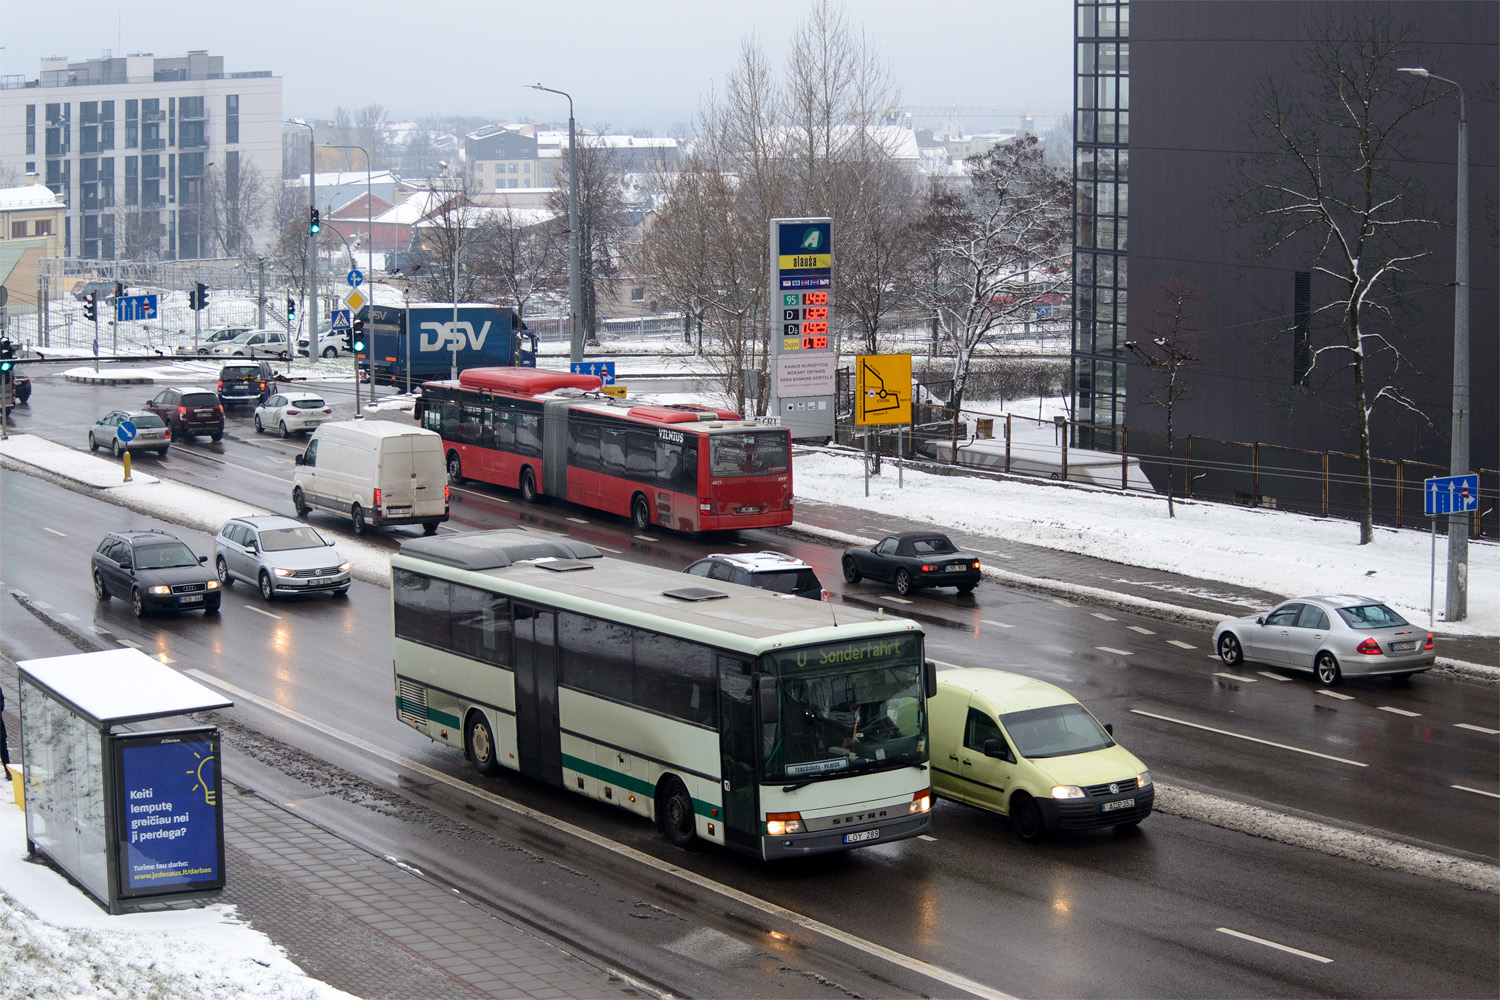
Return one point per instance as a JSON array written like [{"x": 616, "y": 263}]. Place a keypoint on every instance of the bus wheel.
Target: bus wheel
[
  {"x": 640, "y": 513},
  {"x": 455, "y": 469},
  {"x": 528, "y": 485},
  {"x": 479, "y": 744},
  {"x": 674, "y": 806}
]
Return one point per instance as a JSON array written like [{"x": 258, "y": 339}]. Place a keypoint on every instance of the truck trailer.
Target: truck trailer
[{"x": 423, "y": 341}]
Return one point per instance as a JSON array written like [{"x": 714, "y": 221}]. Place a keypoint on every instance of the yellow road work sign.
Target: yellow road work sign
[{"x": 882, "y": 389}]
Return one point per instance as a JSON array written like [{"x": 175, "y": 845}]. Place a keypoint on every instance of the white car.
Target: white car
[
  {"x": 292, "y": 413},
  {"x": 211, "y": 339},
  {"x": 255, "y": 344},
  {"x": 330, "y": 344}
]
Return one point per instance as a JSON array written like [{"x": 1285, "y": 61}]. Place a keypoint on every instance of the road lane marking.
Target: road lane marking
[
  {"x": 68, "y": 617},
  {"x": 59, "y": 534},
  {"x": 1274, "y": 677},
  {"x": 645, "y": 538},
  {"x": 40, "y": 604},
  {"x": 1234, "y": 677},
  {"x": 1102, "y": 616},
  {"x": 927, "y": 837},
  {"x": 898, "y": 600},
  {"x": 580, "y": 520},
  {"x": 1142, "y": 631},
  {"x": 101, "y": 631},
  {"x": 1180, "y": 644},
  {"x": 1272, "y": 944},
  {"x": 260, "y": 611},
  {"x": 991, "y": 621},
  {"x": 1477, "y": 729},
  {"x": 665, "y": 868},
  {"x": 1066, "y": 604},
  {"x": 1476, "y": 791},
  {"x": 1399, "y": 711},
  {"x": 1242, "y": 736},
  {"x": 1335, "y": 694},
  {"x": 1117, "y": 652},
  {"x": 129, "y": 642}
]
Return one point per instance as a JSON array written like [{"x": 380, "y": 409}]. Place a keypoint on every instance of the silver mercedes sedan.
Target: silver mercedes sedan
[{"x": 1333, "y": 637}]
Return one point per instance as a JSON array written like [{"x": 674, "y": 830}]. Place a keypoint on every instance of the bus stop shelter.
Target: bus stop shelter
[{"x": 130, "y": 812}]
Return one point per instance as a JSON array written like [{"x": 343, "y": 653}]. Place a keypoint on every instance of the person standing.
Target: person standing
[{"x": 4, "y": 740}]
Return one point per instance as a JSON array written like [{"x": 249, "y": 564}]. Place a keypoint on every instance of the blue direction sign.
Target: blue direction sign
[
  {"x": 604, "y": 369},
  {"x": 343, "y": 319},
  {"x": 125, "y": 432},
  {"x": 355, "y": 278},
  {"x": 1451, "y": 494},
  {"x": 135, "y": 307}
]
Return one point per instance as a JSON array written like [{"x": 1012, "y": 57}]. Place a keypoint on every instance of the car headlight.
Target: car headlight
[
  {"x": 213, "y": 585},
  {"x": 281, "y": 572},
  {"x": 160, "y": 590},
  {"x": 344, "y": 567},
  {"x": 1143, "y": 779},
  {"x": 1067, "y": 792}
]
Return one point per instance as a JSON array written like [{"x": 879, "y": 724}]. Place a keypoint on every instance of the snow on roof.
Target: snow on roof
[
  {"x": 28, "y": 196},
  {"x": 336, "y": 178}
]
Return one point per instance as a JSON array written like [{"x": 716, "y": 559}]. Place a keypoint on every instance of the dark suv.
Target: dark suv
[
  {"x": 771, "y": 571},
  {"x": 155, "y": 571},
  {"x": 245, "y": 383},
  {"x": 189, "y": 411}
]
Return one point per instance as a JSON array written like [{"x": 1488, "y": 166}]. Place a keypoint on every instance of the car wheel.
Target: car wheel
[
  {"x": 851, "y": 570},
  {"x": 1026, "y": 817},
  {"x": 1230, "y": 651},
  {"x": 528, "y": 485},
  {"x": 93, "y": 445},
  {"x": 216, "y": 436},
  {"x": 162, "y": 452},
  {"x": 640, "y": 513},
  {"x": 114, "y": 446},
  {"x": 903, "y": 582},
  {"x": 455, "y": 469},
  {"x": 966, "y": 588},
  {"x": 330, "y": 352},
  {"x": 137, "y": 602},
  {"x": 357, "y": 518},
  {"x": 266, "y": 590},
  {"x": 430, "y": 528},
  {"x": 674, "y": 806},
  {"x": 479, "y": 744},
  {"x": 101, "y": 592},
  {"x": 212, "y": 609},
  {"x": 341, "y": 592},
  {"x": 284, "y": 432},
  {"x": 258, "y": 428},
  {"x": 1327, "y": 669},
  {"x": 222, "y": 568},
  {"x": 299, "y": 502}
]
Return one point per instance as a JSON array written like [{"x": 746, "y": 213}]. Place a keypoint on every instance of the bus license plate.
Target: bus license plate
[
  {"x": 747, "y": 510},
  {"x": 863, "y": 835},
  {"x": 191, "y": 599},
  {"x": 1122, "y": 804}
]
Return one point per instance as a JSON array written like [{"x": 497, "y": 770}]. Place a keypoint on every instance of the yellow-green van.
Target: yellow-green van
[{"x": 1028, "y": 750}]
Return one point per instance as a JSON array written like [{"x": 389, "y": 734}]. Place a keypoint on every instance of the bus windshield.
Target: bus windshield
[
  {"x": 844, "y": 707},
  {"x": 750, "y": 453}
]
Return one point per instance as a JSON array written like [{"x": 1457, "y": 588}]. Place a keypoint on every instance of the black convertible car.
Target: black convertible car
[{"x": 911, "y": 560}]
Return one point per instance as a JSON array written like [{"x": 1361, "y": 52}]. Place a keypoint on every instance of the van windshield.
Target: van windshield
[{"x": 1055, "y": 731}]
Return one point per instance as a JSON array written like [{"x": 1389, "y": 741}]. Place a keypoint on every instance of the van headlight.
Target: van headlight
[
  {"x": 1067, "y": 792},
  {"x": 1143, "y": 779}
]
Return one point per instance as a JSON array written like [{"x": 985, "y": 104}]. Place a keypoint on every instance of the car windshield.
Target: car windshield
[
  {"x": 146, "y": 420},
  {"x": 164, "y": 556},
  {"x": 1370, "y": 616},
  {"x": 199, "y": 399},
  {"x": 787, "y": 581},
  {"x": 1055, "y": 731},
  {"x": 308, "y": 402},
  {"x": 281, "y": 539}
]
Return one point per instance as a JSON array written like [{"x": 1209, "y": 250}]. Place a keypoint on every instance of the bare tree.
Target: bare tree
[
  {"x": 517, "y": 257},
  {"x": 237, "y": 210},
  {"x": 447, "y": 231},
  {"x": 342, "y": 132},
  {"x": 1328, "y": 185},
  {"x": 1170, "y": 353},
  {"x": 602, "y": 226},
  {"x": 372, "y": 131}
]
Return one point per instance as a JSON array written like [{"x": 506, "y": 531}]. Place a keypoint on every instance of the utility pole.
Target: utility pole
[
  {"x": 260, "y": 297},
  {"x": 575, "y": 270}
]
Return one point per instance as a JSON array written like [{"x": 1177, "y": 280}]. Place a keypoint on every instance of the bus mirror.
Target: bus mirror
[
  {"x": 766, "y": 691},
  {"x": 929, "y": 677}
]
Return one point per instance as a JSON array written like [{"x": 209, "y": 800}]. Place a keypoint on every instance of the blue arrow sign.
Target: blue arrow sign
[
  {"x": 604, "y": 369},
  {"x": 125, "y": 432},
  {"x": 1451, "y": 494},
  {"x": 343, "y": 319},
  {"x": 135, "y": 307},
  {"x": 355, "y": 278}
]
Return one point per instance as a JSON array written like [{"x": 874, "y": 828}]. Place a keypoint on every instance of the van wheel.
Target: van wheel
[
  {"x": 479, "y": 744},
  {"x": 455, "y": 469},
  {"x": 299, "y": 502},
  {"x": 674, "y": 807},
  {"x": 430, "y": 528},
  {"x": 528, "y": 485},
  {"x": 640, "y": 513},
  {"x": 357, "y": 518},
  {"x": 1026, "y": 817}
]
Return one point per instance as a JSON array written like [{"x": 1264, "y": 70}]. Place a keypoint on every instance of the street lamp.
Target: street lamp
[
  {"x": 1458, "y": 457},
  {"x": 452, "y": 174},
  {"x": 370, "y": 240},
  {"x": 312, "y": 238},
  {"x": 575, "y": 272}
]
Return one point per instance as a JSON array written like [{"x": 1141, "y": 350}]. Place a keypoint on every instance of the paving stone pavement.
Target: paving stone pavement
[{"x": 379, "y": 930}]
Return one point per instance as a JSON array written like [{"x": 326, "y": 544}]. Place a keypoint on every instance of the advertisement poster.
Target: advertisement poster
[{"x": 170, "y": 813}]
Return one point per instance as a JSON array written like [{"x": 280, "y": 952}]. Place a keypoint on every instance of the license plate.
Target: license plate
[
  {"x": 861, "y": 836},
  {"x": 957, "y": 567},
  {"x": 191, "y": 599},
  {"x": 396, "y": 511},
  {"x": 1403, "y": 647},
  {"x": 747, "y": 510},
  {"x": 320, "y": 581},
  {"x": 1121, "y": 804}
]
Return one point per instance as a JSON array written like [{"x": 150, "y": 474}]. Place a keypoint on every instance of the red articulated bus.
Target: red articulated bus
[{"x": 545, "y": 433}]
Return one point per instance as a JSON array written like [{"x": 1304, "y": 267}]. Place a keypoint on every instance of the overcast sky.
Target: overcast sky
[{"x": 627, "y": 63}]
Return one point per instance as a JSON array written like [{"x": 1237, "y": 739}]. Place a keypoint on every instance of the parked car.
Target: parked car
[
  {"x": 292, "y": 413},
  {"x": 189, "y": 410},
  {"x": 246, "y": 383},
  {"x": 1028, "y": 750},
  {"x": 330, "y": 345},
  {"x": 911, "y": 560},
  {"x": 154, "y": 570},
  {"x": 151, "y": 433},
  {"x": 773, "y": 571},
  {"x": 280, "y": 555},
  {"x": 102, "y": 289},
  {"x": 1330, "y": 636},
  {"x": 206, "y": 344},
  {"x": 255, "y": 344}
]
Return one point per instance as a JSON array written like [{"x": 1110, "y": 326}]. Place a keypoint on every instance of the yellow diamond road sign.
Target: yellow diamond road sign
[{"x": 355, "y": 301}]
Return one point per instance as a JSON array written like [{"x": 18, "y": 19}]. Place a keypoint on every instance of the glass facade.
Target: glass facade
[{"x": 1101, "y": 162}]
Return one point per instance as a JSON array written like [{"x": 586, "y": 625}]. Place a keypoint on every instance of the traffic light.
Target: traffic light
[
  {"x": 91, "y": 307},
  {"x": 119, "y": 291},
  {"x": 7, "y": 356},
  {"x": 193, "y": 299},
  {"x": 291, "y": 309},
  {"x": 198, "y": 297},
  {"x": 316, "y": 225},
  {"x": 355, "y": 338}
]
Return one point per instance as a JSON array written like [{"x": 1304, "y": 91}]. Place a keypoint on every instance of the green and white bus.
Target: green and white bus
[{"x": 775, "y": 725}]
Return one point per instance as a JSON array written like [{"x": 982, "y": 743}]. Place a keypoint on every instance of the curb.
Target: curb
[{"x": 111, "y": 379}]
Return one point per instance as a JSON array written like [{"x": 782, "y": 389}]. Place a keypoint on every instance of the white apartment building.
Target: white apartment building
[{"x": 131, "y": 145}]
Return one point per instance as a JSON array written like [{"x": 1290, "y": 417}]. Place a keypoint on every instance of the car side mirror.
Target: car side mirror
[
  {"x": 1109, "y": 727},
  {"x": 1261, "y": 620},
  {"x": 203, "y": 559},
  {"x": 124, "y": 563}
]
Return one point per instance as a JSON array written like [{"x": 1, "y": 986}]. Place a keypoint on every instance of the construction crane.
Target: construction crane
[{"x": 953, "y": 117}]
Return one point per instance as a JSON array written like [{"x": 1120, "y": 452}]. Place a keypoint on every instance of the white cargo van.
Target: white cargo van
[{"x": 374, "y": 472}]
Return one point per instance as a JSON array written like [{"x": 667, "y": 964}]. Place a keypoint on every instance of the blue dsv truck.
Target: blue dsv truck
[{"x": 482, "y": 336}]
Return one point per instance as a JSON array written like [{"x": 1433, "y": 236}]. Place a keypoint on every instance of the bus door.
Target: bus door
[
  {"x": 738, "y": 746},
  {"x": 538, "y": 739}
]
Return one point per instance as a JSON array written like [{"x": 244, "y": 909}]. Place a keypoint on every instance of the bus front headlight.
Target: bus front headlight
[{"x": 781, "y": 824}]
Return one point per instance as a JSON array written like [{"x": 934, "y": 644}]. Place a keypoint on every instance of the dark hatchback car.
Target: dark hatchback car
[
  {"x": 155, "y": 571},
  {"x": 189, "y": 411},
  {"x": 246, "y": 383},
  {"x": 912, "y": 560}
]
